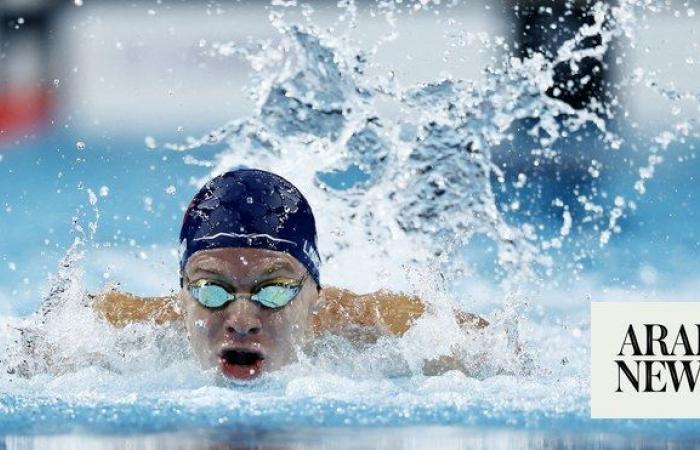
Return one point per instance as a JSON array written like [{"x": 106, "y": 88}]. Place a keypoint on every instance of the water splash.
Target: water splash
[
  {"x": 402, "y": 189},
  {"x": 425, "y": 174},
  {"x": 66, "y": 335}
]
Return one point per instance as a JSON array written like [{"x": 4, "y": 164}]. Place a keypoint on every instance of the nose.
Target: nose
[{"x": 242, "y": 318}]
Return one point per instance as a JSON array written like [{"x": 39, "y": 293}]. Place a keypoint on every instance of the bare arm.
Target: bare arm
[
  {"x": 365, "y": 318},
  {"x": 387, "y": 312},
  {"x": 360, "y": 318},
  {"x": 121, "y": 309}
]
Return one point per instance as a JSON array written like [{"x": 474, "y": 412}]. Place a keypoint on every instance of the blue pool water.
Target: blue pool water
[{"x": 543, "y": 406}]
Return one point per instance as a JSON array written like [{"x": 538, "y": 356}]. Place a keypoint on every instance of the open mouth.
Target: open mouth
[{"x": 241, "y": 363}]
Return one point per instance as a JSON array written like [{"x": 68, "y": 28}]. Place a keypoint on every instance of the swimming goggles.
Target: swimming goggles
[{"x": 272, "y": 294}]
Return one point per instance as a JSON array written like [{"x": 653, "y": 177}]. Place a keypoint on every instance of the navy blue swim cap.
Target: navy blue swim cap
[{"x": 254, "y": 209}]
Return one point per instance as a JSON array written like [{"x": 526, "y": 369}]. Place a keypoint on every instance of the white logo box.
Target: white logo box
[{"x": 614, "y": 393}]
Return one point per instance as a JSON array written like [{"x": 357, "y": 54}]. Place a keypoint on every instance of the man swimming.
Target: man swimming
[{"x": 250, "y": 289}]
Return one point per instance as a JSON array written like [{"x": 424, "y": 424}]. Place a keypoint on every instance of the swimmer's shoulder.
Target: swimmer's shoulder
[
  {"x": 383, "y": 311},
  {"x": 122, "y": 308},
  {"x": 387, "y": 311}
]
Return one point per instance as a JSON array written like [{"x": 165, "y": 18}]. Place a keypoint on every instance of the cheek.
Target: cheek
[
  {"x": 291, "y": 320},
  {"x": 201, "y": 323}
]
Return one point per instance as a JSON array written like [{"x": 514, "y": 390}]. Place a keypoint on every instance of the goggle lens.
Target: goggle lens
[
  {"x": 212, "y": 295},
  {"x": 275, "y": 295}
]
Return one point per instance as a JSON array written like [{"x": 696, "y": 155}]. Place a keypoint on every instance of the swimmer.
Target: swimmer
[{"x": 250, "y": 287}]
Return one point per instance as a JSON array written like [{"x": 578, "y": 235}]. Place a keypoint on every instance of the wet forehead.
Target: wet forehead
[{"x": 243, "y": 264}]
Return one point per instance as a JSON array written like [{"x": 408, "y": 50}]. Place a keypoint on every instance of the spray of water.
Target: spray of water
[
  {"x": 423, "y": 179},
  {"x": 409, "y": 189}
]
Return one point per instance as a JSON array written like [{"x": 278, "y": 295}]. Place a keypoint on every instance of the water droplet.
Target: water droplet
[
  {"x": 150, "y": 142},
  {"x": 78, "y": 2},
  {"x": 80, "y": 145},
  {"x": 170, "y": 190},
  {"x": 20, "y": 20},
  {"x": 56, "y": 82},
  {"x": 12, "y": 266},
  {"x": 249, "y": 200},
  {"x": 104, "y": 191},
  {"x": 92, "y": 198}
]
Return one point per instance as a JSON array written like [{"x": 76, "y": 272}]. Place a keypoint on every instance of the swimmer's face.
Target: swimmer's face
[{"x": 244, "y": 338}]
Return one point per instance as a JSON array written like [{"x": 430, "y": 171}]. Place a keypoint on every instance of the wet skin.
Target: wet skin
[{"x": 243, "y": 338}]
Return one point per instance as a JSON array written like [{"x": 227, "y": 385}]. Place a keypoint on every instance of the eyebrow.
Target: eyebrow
[
  {"x": 212, "y": 270},
  {"x": 276, "y": 266}
]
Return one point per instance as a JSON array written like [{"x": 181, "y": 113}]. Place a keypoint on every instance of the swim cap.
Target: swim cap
[{"x": 254, "y": 209}]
